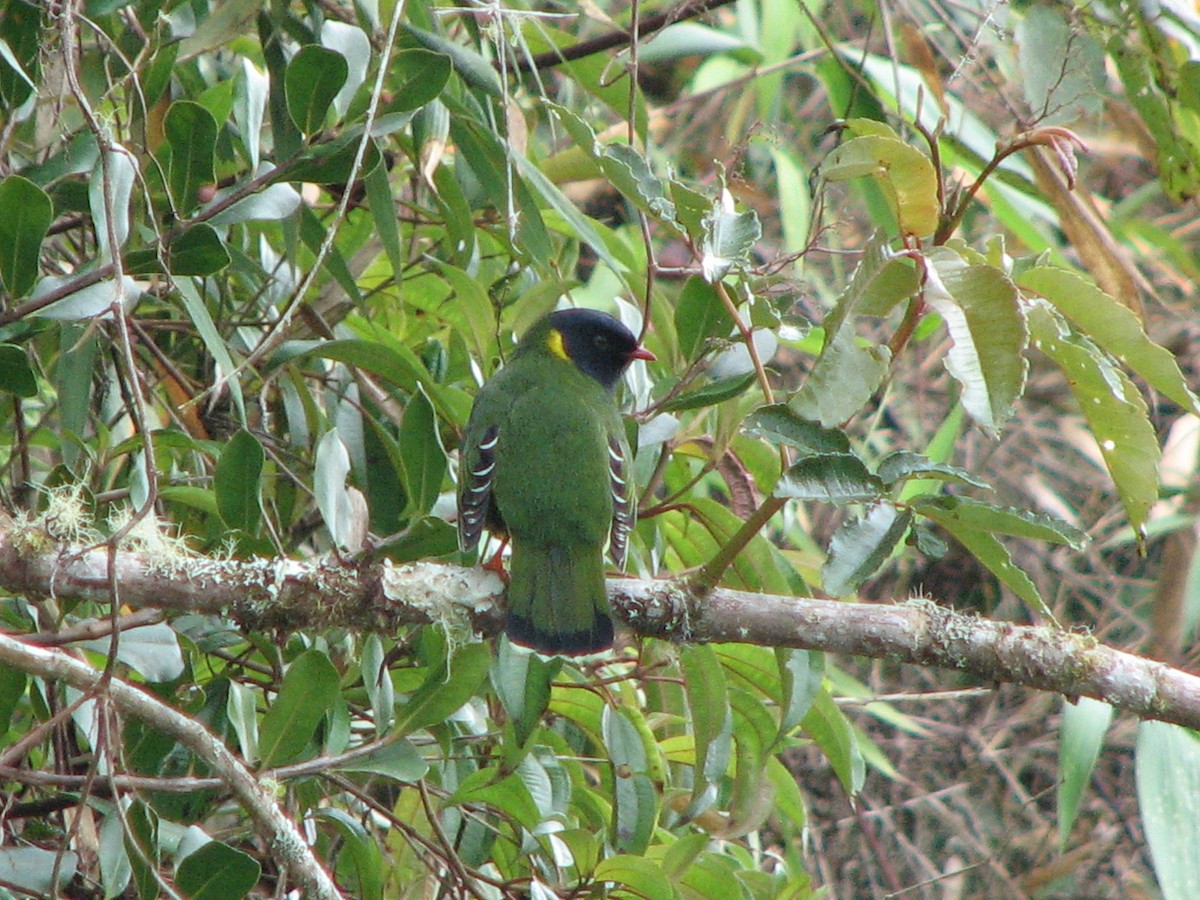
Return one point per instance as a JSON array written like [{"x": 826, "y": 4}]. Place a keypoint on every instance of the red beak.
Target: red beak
[{"x": 642, "y": 353}]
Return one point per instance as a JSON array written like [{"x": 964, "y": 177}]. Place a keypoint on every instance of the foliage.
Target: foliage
[{"x": 257, "y": 258}]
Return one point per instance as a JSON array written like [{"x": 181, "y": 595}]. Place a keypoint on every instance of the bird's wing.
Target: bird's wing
[
  {"x": 475, "y": 489},
  {"x": 622, "y": 496}
]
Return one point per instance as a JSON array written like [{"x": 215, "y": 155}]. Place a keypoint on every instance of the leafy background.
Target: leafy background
[{"x": 913, "y": 334}]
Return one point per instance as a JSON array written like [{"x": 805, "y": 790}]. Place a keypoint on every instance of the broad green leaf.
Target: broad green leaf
[
  {"x": 780, "y": 424},
  {"x": 635, "y": 801},
  {"x": 250, "y": 88},
  {"x": 469, "y": 308},
  {"x": 422, "y": 454},
  {"x": 383, "y": 213},
  {"x": 313, "y": 233},
  {"x": 957, "y": 513},
  {"x": 445, "y": 689},
  {"x": 1081, "y": 736},
  {"x": 274, "y": 202},
  {"x": 12, "y": 689},
  {"x": 191, "y": 131},
  {"x": 197, "y": 251},
  {"x": 1113, "y": 407},
  {"x": 16, "y": 375},
  {"x": 360, "y": 869},
  {"x": 417, "y": 77},
  {"x": 399, "y": 760},
  {"x": 905, "y": 175},
  {"x": 712, "y": 722},
  {"x": 152, "y": 650},
  {"x": 314, "y": 77},
  {"x": 332, "y": 162},
  {"x": 836, "y": 478},
  {"x": 710, "y": 394},
  {"x": 978, "y": 304},
  {"x": 237, "y": 482},
  {"x": 727, "y": 238},
  {"x": 510, "y": 795},
  {"x": 844, "y": 378},
  {"x": 115, "y": 868},
  {"x": 861, "y": 545},
  {"x": 109, "y": 191},
  {"x": 33, "y": 869},
  {"x": 241, "y": 708},
  {"x": 902, "y": 465},
  {"x": 26, "y": 212},
  {"x": 306, "y": 695},
  {"x": 643, "y": 877},
  {"x": 1062, "y": 66},
  {"x": 521, "y": 681},
  {"x": 217, "y": 872},
  {"x": 353, "y": 45},
  {"x": 699, "y": 315},
  {"x": 1168, "y": 787},
  {"x": 693, "y": 39},
  {"x": 1113, "y": 326},
  {"x": 470, "y": 66}
]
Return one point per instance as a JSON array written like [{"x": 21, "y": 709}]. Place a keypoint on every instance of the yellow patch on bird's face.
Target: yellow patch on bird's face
[{"x": 555, "y": 343}]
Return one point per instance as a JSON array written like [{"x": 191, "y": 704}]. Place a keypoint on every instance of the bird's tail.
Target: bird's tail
[{"x": 557, "y": 602}]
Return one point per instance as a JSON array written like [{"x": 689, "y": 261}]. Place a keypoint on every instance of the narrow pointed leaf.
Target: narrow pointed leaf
[
  {"x": 25, "y": 215},
  {"x": 1168, "y": 789},
  {"x": 308, "y": 691},
  {"x": 237, "y": 482},
  {"x": 1081, "y": 736}
]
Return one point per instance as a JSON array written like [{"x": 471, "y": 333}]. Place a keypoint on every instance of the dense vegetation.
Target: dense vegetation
[{"x": 918, "y": 278}]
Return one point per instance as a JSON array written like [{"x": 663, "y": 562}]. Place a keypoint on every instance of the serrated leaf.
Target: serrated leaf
[
  {"x": 1168, "y": 787},
  {"x": 957, "y": 513},
  {"x": 191, "y": 131},
  {"x": 836, "y": 478},
  {"x": 845, "y": 376},
  {"x": 901, "y": 465},
  {"x": 800, "y": 676},
  {"x": 780, "y": 424},
  {"x": 986, "y": 548},
  {"x": 861, "y": 545},
  {"x": 1113, "y": 326},
  {"x": 904, "y": 174},
  {"x": 26, "y": 212},
  {"x": 1081, "y": 736},
  {"x": 727, "y": 238},
  {"x": 313, "y": 79},
  {"x": 217, "y": 871},
  {"x": 1114, "y": 410},
  {"x": 978, "y": 304},
  {"x": 237, "y": 482},
  {"x": 306, "y": 695}
]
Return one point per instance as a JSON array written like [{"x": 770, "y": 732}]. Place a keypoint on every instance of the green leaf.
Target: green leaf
[
  {"x": 417, "y": 77},
  {"x": 902, "y": 465},
  {"x": 844, "y": 378},
  {"x": 861, "y": 545},
  {"x": 1113, "y": 407},
  {"x": 711, "y": 394},
  {"x": 191, "y": 131},
  {"x": 1062, "y": 67},
  {"x": 957, "y": 513},
  {"x": 1081, "y": 736},
  {"x": 700, "y": 315},
  {"x": 313, "y": 78},
  {"x": 978, "y": 304},
  {"x": 378, "y": 683},
  {"x": 1113, "y": 326},
  {"x": 643, "y": 877},
  {"x": 800, "y": 675},
  {"x": 217, "y": 872},
  {"x": 986, "y": 548},
  {"x": 1168, "y": 788},
  {"x": 16, "y": 375},
  {"x": 635, "y": 801},
  {"x": 34, "y": 869},
  {"x": 306, "y": 695},
  {"x": 828, "y": 726},
  {"x": 445, "y": 689},
  {"x": 836, "y": 478},
  {"x": 237, "y": 482},
  {"x": 12, "y": 689},
  {"x": 26, "y": 212},
  {"x": 712, "y": 722},
  {"x": 398, "y": 760},
  {"x": 421, "y": 451},
  {"x": 333, "y": 162},
  {"x": 521, "y": 681},
  {"x": 470, "y": 66},
  {"x": 383, "y": 214},
  {"x": 360, "y": 863},
  {"x": 904, "y": 174},
  {"x": 780, "y": 424},
  {"x": 727, "y": 238},
  {"x": 198, "y": 251}
]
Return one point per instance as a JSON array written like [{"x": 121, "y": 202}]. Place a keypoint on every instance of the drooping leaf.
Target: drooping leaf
[
  {"x": 902, "y": 465},
  {"x": 1081, "y": 736},
  {"x": 1114, "y": 410},
  {"x": 836, "y": 478},
  {"x": 26, "y": 212},
  {"x": 309, "y": 688},
  {"x": 191, "y": 131},
  {"x": 710, "y": 394},
  {"x": 905, "y": 175},
  {"x": 712, "y": 722},
  {"x": 780, "y": 424},
  {"x": 1168, "y": 788},
  {"x": 217, "y": 872},
  {"x": 956, "y": 513},
  {"x": 861, "y": 545},
  {"x": 421, "y": 450},
  {"x": 635, "y": 801},
  {"x": 198, "y": 251},
  {"x": 522, "y": 684},
  {"x": 237, "y": 481}
]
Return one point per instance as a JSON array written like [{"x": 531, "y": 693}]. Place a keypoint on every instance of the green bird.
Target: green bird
[{"x": 544, "y": 461}]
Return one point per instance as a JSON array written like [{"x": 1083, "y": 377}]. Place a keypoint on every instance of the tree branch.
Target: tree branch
[{"x": 291, "y": 595}]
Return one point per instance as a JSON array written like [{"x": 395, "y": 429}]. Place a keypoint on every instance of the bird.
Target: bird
[{"x": 544, "y": 463}]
